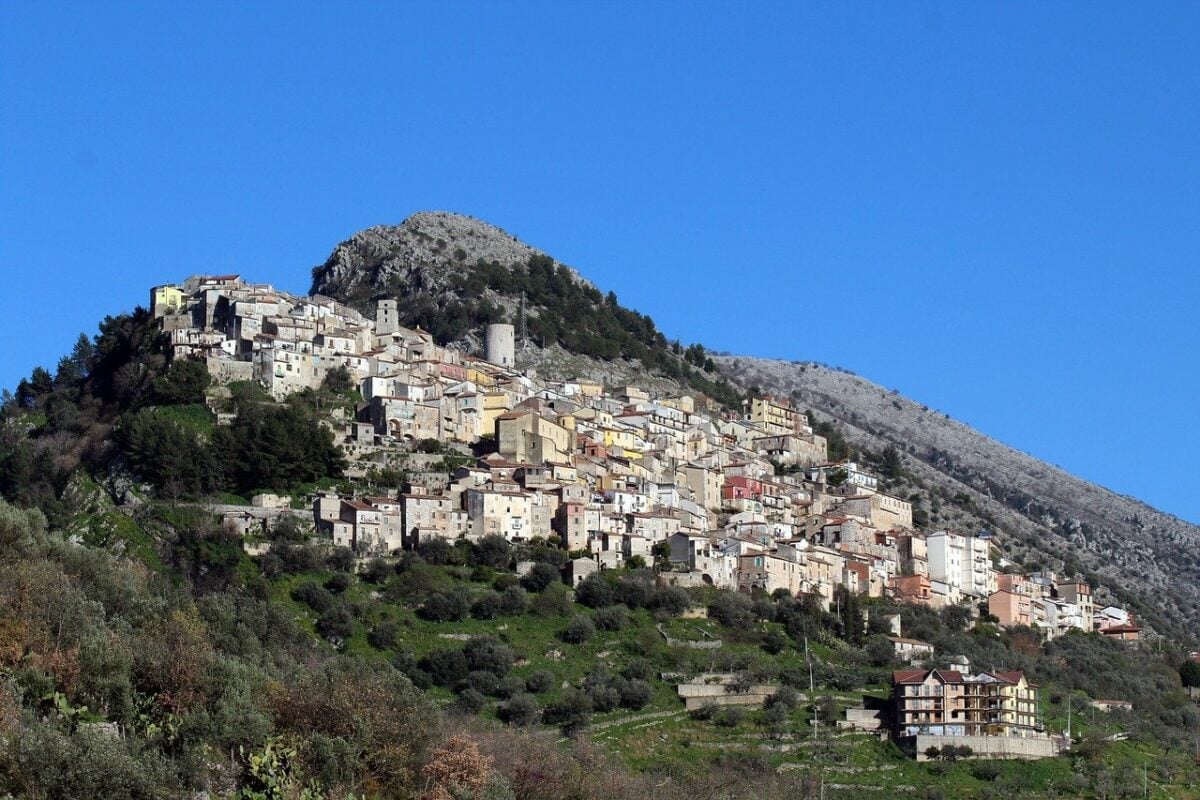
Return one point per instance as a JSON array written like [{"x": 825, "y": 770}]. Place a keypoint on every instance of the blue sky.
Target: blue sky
[{"x": 990, "y": 207}]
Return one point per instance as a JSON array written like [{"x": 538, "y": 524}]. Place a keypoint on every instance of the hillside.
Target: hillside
[
  {"x": 1150, "y": 558},
  {"x": 454, "y": 274}
]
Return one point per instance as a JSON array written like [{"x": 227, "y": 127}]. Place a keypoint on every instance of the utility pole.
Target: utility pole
[
  {"x": 809, "y": 662},
  {"x": 1068, "y": 719}
]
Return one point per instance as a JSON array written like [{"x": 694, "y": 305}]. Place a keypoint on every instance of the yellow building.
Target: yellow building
[
  {"x": 166, "y": 299},
  {"x": 493, "y": 406},
  {"x": 775, "y": 414}
]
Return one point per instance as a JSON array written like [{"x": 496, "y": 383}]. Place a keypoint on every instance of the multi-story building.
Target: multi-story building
[{"x": 951, "y": 703}]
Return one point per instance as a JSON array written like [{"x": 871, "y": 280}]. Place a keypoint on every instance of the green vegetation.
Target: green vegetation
[{"x": 562, "y": 310}]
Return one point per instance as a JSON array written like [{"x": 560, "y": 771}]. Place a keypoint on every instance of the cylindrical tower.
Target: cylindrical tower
[{"x": 501, "y": 348}]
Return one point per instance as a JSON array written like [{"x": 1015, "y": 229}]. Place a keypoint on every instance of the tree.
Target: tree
[
  {"x": 338, "y": 380},
  {"x": 185, "y": 382},
  {"x": 541, "y": 576},
  {"x": 571, "y": 712},
  {"x": 1189, "y": 673},
  {"x": 890, "y": 464},
  {"x": 521, "y": 710},
  {"x": 578, "y": 630},
  {"x": 594, "y": 592}
]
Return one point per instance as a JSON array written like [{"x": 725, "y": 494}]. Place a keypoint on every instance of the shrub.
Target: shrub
[
  {"x": 578, "y": 630},
  {"x": 384, "y": 635},
  {"x": 594, "y": 592},
  {"x": 634, "y": 591},
  {"x": 571, "y": 712},
  {"x": 339, "y": 582},
  {"x": 444, "y": 607},
  {"x": 341, "y": 559},
  {"x": 612, "y": 618},
  {"x": 445, "y": 667},
  {"x": 488, "y": 605},
  {"x": 378, "y": 572},
  {"x": 784, "y": 696},
  {"x": 638, "y": 669},
  {"x": 704, "y": 712},
  {"x": 555, "y": 601},
  {"x": 670, "y": 601},
  {"x": 540, "y": 681},
  {"x": 469, "y": 702},
  {"x": 513, "y": 601},
  {"x": 406, "y": 664},
  {"x": 492, "y": 551},
  {"x": 482, "y": 681},
  {"x": 731, "y": 610},
  {"x": 510, "y": 686},
  {"x": 314, "y": 596},
  {"x": 730, "y": 716},
  {"x": 541, "y": 576},
  {"x": 434, "y": 549},
  {"x": 521, "y": 710},
  {"x": 336, "y": 623},
  {"x": 488, "y": 653},
  {"x": 774, "y": 641},
  {"x": 636, "y": 694}
]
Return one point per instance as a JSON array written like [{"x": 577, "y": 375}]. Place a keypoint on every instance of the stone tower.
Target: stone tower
[
  {"x": 501, "y": 348},
  {"x": 387, "y": 319}
]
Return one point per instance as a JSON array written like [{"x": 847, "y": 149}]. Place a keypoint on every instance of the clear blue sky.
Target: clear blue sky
[{"x": 990, "y": 207}]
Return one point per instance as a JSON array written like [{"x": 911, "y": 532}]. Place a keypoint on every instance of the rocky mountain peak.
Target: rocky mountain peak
[{"x": 421, "y": 255}]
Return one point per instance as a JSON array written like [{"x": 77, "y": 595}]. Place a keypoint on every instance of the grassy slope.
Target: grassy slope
[{"x": 663, "y": 738}]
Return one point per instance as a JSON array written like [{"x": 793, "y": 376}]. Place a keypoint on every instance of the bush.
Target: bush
[
  {"x": 341, "y": 559},
  {"x": 784, "y": 696},
  {"x": 445, "y": 667},
  {"x": 555, "y": 601},
  {"x": 469, "y": 702},
  {"x": 730, "y": 716},
  {"x": 488, "y": 605},
  {"x": 434, "y": 549},
  {"x": 578, "y": 630},
  {"x": 732, "y": 610},
  {"x": 638, "y": 669},
  {"x": 510, "y": 686},
  {"x": 444, "y": 607},
  {"x": 540, "y": 681},
  {"x": 406, "y": 664},
  {"x": 612, "y": 618},
  {"x": 339, "y": 582},
  {"x": 492, "y": 551},
  {"x": 378, "y": 572},
  {"x": 636, "y": 694},
  {"x": 594, "y": 592},
  {"x": 514, "y": 601},
  {"x": 571, "y": 712},
  {"x": 314, "y": 596},
  {"x": 384, "y": 635},
  {"x": 541, "y": 576},
  {"x": 670, "y": 601},
  {"x": 521, "y": 710},
  {"x": 704, "y": 712},
  {"x": 634, "y": 591},
  {"x": 774, "y": 641},
  {"x": 336, "y": 623},
  {"x": 488, "y": 653},
  {"x": 482, "y": 681}
]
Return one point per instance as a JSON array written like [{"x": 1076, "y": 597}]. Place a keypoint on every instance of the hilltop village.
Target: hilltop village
[{"x": 741, "y": 499}]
